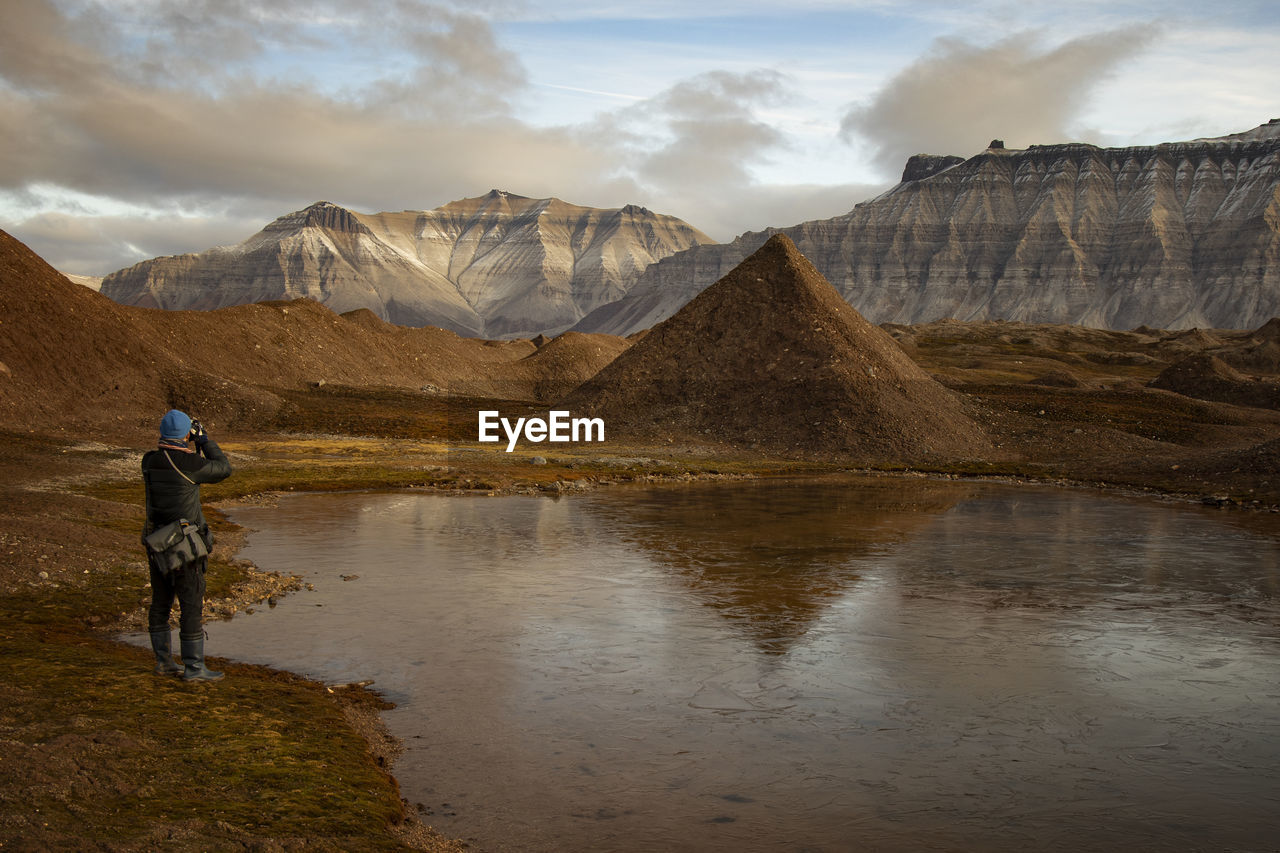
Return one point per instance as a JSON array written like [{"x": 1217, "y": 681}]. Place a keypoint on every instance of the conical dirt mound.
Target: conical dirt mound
[
  {"x": 1207, "y": 377},
  {"x": 1269, "y": 331},
  {"x": 1196, "y": 375},
  {"x": 771, "y": 357}
]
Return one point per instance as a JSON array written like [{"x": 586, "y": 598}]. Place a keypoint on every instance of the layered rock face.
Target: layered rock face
[
  {"x": 1173, "y": 236},
  {"x": 497, "y": 266}
]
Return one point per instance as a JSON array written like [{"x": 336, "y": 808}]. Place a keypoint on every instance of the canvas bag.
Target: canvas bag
[{"x": 174, "y": 545}]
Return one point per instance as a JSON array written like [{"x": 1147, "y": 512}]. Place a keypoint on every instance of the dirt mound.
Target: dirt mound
[
  {"x": 1207, "y": 377},
  {"x": 1253, "y": 352},
  {"x": 1252, "y": 356},
  {"x": 1193, "y": 338},
  {"x": 1269, "y": 331},
  {"x": 1058, "y": 379},
  {"x": 364, "y": 318},
  {"x": 1195, "y": 374},
  {"x": 566, "y": 361},
  {"x": 68, "y": 350},
  {"x": 770, "y": 356},
  {"x": 1174, "y": 346}
]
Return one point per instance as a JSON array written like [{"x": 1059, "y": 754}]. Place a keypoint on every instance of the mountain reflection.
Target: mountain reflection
[{"x": 772, "y": 556}]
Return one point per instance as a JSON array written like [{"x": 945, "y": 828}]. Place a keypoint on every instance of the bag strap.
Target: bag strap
[
  {"x": 176, "y": 468},
  {"x": 146, "y": 501}
]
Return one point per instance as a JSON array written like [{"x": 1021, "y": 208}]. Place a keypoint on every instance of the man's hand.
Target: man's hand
[{"x": 198, "y": 435}]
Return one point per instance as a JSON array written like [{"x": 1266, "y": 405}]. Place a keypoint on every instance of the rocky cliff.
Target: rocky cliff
[
  {"x": 497, "y": 266},
  {"x": 1173, "y": 236}
]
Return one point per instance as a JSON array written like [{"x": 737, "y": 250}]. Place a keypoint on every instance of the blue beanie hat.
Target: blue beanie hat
[{"x": 175, "y": 425}]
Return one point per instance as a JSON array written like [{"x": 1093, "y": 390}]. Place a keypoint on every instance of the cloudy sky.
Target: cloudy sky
[{"x": 137, "y": 128}]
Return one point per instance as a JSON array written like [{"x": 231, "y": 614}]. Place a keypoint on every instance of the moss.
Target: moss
[{"x": 267, "y": 753}]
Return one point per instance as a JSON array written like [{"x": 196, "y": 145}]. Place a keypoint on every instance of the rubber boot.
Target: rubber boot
[
  {"x": 193, "y": 658},
  {"x": 165, "y": 664}
]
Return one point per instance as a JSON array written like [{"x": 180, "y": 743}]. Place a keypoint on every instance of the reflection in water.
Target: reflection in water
[
  {"x": 889, "y": 665},
  {"x": 771, "y": 556}
]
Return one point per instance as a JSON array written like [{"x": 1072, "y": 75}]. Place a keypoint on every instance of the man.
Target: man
[{"x": 172, "y": 474}]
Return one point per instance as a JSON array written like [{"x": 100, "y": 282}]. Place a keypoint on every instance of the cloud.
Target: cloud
[
  {"x": 959, "y": 96},
  {"x": 184, "y": 125},
  {"x": 701, "y": 133},
  {"x": 201, "y": 113},
  {"x": 693, "y": 145},
  {"x": 732, "y": 210},
  {"x": 102, "y": 244}
]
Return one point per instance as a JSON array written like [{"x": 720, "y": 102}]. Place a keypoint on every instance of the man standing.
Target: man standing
[{"x": 172, "y": 474}]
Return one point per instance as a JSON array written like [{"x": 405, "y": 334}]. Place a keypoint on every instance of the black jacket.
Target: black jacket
[{"x": 170, "y": 494}]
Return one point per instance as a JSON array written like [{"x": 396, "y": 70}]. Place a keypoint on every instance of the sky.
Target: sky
[{"x": 139, "y": 128}]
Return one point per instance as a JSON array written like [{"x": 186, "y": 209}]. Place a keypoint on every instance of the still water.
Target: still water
[{"x": 820, "y": 665}]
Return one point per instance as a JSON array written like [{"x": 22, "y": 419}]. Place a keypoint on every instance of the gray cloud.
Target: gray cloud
[
  {"x": 694, "y": 144},
  {"x": 100, "y": 244},
  {"x": 960, "y": 96},
  {"x": 714, "y": 133},
  {"x": 173, "y": 125}
]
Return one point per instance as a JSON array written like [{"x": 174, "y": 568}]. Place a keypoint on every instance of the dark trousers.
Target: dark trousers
[{"x": 188, "y": 587}]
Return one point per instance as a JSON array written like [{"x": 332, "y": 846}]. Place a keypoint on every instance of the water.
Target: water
[{"x": 874, "y": 664}]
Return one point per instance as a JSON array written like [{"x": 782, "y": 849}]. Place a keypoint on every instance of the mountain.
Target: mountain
[
  {"x": 1174, "y": 236},
  {"x": 497, "y": 266},
  {"x": 771, "y": 357}
]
